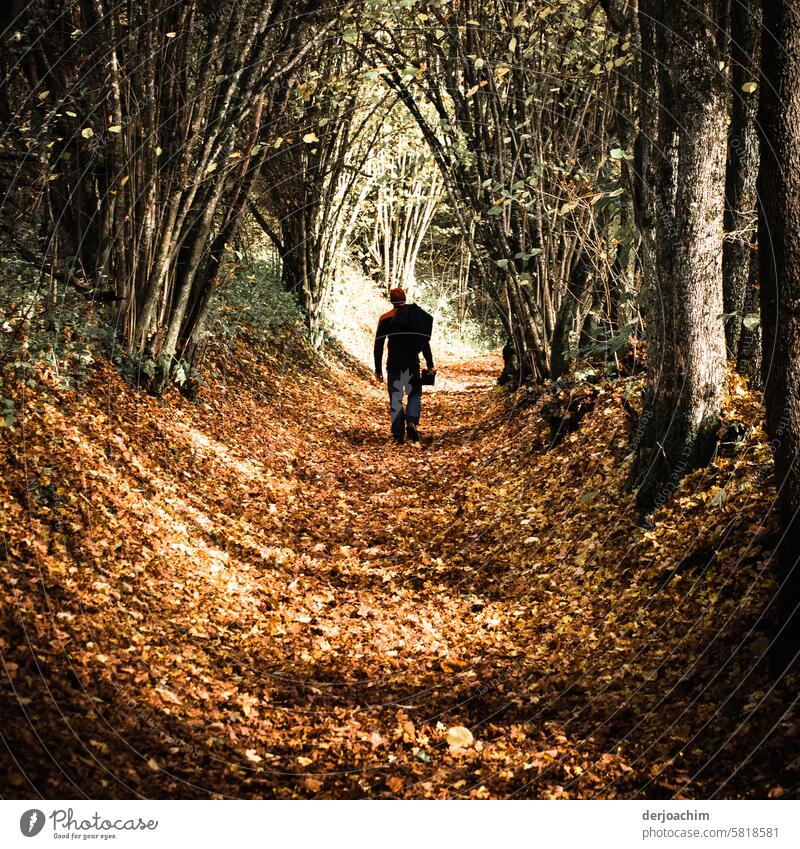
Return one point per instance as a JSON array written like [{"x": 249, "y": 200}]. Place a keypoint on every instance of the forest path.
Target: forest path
[
  {"x": 258, "y": 594},
  {"x": 471, "y": 618},
  {"x": 403, "y": 624},
  {"x": 398, "y": 637}
]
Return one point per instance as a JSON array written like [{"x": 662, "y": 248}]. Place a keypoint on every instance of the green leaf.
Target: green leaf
[
  {"x": 752, "y": 320},
  {"x": 7, "y": 419},
  {"x": 617, "y": 153},
  {"x": 749, "y": 87}
]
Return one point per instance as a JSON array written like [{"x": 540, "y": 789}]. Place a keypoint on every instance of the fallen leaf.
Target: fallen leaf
[{"x": 459, "y": 737}]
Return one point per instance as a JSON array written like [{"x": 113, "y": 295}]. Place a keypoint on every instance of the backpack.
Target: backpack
[{"x": 415, "y": 322}]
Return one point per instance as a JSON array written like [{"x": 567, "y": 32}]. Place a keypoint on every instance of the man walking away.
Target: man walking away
[{"x": 402, "y": 326}]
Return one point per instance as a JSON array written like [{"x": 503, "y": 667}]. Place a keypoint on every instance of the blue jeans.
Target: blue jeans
[{"x": 405, "y": 383}]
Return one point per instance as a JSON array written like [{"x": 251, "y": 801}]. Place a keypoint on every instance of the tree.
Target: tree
[
  {"x": 779, "y": 252},
  {"x": 143, "y": 173},
  {"x": 682, "y": 157},
  {"x": 522, "y": 97},
  {"x": 739, "y": 259},
  {"x": 407, "y": 190},
  {"x": 314, "y": 182}
]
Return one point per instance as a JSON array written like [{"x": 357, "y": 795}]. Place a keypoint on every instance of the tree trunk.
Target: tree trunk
[
  {"x": 748, "y": 358},
  {"x": 779, "y": 252},
  {"x": 570, "y": 314},
  {"x": 742, "y": 170},
  {"x": 685, "y": 172}
]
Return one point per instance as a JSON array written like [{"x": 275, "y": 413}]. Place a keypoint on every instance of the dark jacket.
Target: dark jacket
[{"x": 403, "y": 355}]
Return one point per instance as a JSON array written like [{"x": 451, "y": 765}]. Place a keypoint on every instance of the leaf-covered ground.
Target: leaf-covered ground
[{"x": 256, "y": 595}]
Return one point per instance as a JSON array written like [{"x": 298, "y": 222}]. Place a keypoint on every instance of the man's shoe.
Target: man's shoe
[
  {"x": 397, "y": 440},
  {"x": 413, "y": 432}
]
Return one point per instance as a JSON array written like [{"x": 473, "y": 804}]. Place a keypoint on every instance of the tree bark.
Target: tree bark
[
  {"x": 779, "y": 252},
  {"x": 569, "y": 317},
  {"x": 748, "y": 357},
  {"x": 685, "y": 173},
  {"x": 742, "y": 169}
]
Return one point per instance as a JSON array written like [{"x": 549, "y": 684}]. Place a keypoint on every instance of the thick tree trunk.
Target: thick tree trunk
[
  {"x": 779, "y": 251},
  {"x": 685, "y": 172},
  {"x": 742, "y": 169}
]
